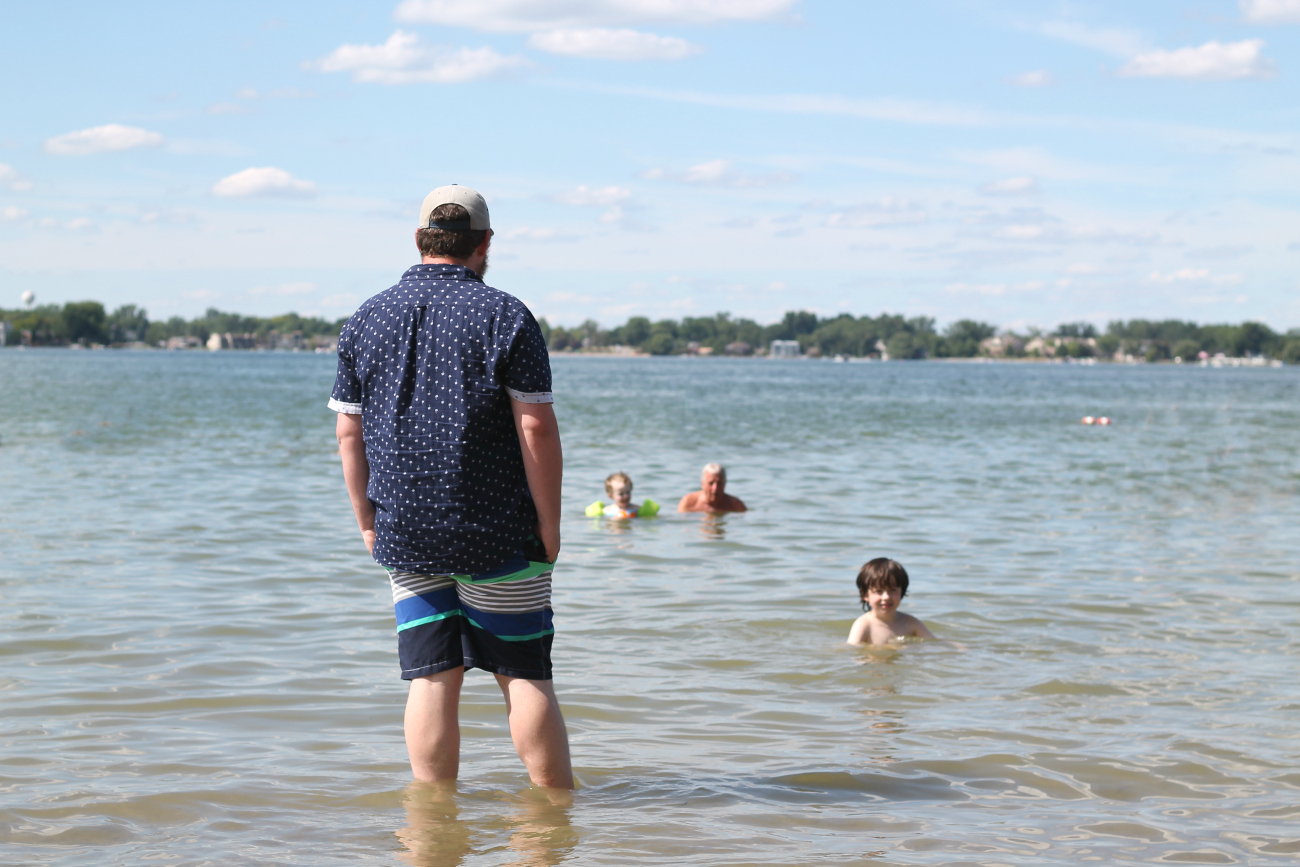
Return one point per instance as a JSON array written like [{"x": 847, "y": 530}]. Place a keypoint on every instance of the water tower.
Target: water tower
[{"x": 29, "y": 298}]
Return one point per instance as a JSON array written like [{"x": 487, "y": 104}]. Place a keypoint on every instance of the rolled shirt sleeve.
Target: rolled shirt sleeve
[
  {"x": 346, "y": 397},
  {"x": 527, "y": 376}
]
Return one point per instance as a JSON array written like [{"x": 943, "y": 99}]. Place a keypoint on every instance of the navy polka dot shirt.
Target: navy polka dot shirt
[{"x": 431, "y": 365}]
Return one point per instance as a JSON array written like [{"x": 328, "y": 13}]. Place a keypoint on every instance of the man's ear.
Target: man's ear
[
  {"x": 417, "y": 241},
  {"x": 483, "y": 247}
]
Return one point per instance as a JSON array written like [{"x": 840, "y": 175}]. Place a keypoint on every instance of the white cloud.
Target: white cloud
[
  {"x": 1082, "y": 268},
  {"x": 1038, "y": 163},
  {"x": 992, "y": 289},
  {"x": 301, "y": 288},
  {"x": 1195, "y": 275},
  {"x": 252, "y": 93},
  {"x": 1018, "y": 186},
  {"x": 404, "y": 59},
  {"x": 719, "y": 173},
  {"x": 889, "y": 211},
  {"x": 342, "y": 301},
  {"x": 12, "y": 214},
  {"x": 1124, "y": 43},
  {"x": 1036, "y": 78},
  {"x": 101, "y": 139},
  {"x": 1213, "y": 60},
  {"x": 526, "y": 233},
  {"x": 600, "y": 43},
  {"x": 170, "y": 215},
  {"x": 1222, "y": 251},
  {"x": 886, "y": 108},
  {"x": 1271, "y": 11},
  {"x": 1021, "y": 233},
  {"x": 513, "y": 16},
  {"x": 603, "y": 197},
  {"x": 80, "y": 224},
  {"x": 266, "y": 181},
  {"x": 11, "y": 179}
]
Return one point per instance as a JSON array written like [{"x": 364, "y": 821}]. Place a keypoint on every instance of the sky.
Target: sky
[{"x": 1021, "y": 163}]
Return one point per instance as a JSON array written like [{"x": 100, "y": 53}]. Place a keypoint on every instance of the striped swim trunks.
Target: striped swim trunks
[{"x": 499, "y": 621}]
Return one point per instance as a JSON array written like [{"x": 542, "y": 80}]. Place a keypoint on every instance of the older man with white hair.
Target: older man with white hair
[{"x": 712, "y": 495}]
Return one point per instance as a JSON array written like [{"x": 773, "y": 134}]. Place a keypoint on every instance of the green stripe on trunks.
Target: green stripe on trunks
[
  {"x": 431, "y": 618},
  {"x": 532, "y": 570}
]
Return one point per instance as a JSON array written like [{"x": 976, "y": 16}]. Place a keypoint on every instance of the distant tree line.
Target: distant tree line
[
  {"x": 88, "y": 323},
  {"x": 1172, "y": 338},
  {"x": 845, "y": 334},
  {"x": 917, "y": 337}
]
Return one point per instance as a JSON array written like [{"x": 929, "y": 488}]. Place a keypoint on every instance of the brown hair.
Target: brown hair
[
  {"x": 616, "y": 477},
  {"x": 882, "y": 573},
  {"x": 449, "y": 243}
]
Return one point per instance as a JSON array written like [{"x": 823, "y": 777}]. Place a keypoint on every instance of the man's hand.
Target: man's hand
[
  {"x": 539, "y": 440},
  {"x": 550, "y": 539},
  {"x": 368, "y": 536}
]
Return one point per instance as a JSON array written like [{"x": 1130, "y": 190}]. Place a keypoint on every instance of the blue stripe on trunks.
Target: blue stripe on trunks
[
  {"x": 444, "y": 601},
  {"x": 428, "y": 607},
  {"x": 512, "y": 627}
]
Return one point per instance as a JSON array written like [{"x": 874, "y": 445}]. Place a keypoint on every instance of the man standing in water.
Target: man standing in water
[
  {"x": 451, "y": 456},
  {"x": 712, "y": 495}
]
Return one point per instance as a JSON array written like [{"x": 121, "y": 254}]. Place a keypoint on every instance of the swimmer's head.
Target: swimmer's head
[
  {"x": 882, "y": 574},
  {"x": 713, "y": 481},
  {"x": 619, "y": 487}
]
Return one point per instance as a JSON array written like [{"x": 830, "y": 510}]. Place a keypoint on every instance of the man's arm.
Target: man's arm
[
  {"x": 539, "y": 440},
  {"x": 687, "y": 503},
  {"x": 356, "y": 475}
]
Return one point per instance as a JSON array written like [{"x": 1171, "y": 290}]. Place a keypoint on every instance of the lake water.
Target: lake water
[{"x": 198, "y": 667}]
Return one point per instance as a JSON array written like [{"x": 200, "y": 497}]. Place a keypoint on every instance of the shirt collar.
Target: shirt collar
[{"x": 440, "y": 271}]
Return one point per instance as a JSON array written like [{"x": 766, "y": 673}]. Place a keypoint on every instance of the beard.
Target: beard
[{"x": 483, "y": 269}]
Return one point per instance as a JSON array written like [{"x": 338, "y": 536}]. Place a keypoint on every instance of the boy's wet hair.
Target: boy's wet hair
[
  {"x": 616, "y": 477},
  {"x": 880, "y": 574}
]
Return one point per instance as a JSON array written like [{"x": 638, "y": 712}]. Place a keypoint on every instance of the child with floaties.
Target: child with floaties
[
  {"x": 619, "y": 487},
  {"x": 882, "y": 584}
]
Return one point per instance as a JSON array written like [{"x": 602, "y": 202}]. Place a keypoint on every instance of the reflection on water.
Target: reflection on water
[
  {"x": 713, "y": 526},
  {"x": 534, "y": 832},
  {"x": 197, "y": 662},
  {"x": 434, "y": 835}
]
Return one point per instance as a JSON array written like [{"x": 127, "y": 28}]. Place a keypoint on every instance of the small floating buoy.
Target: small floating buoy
[
  {"x": 1087, "y": 419},
  {"x": 1103, "y": 420}
]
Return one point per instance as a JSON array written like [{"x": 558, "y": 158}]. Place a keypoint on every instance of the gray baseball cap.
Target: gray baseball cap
[{"x": 454, "y": 194}]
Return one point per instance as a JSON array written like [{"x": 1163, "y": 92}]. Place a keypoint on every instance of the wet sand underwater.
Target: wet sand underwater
[{"x": 199, "y": 664}]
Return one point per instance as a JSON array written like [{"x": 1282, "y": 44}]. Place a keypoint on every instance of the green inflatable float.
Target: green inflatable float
[{"x": 648, "y": 509}]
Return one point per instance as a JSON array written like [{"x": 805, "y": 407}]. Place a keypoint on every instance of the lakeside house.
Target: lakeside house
[{"x": 784, "y": 349}]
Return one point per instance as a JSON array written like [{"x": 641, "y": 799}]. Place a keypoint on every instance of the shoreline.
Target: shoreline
[{"x": 1251, "y": 362}]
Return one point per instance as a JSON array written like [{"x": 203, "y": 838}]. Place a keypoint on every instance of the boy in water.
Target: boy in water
[{"x": 882, "y": 584}]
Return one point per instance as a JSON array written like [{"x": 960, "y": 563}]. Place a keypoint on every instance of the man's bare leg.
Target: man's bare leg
[
  {"x": 537, "y": 728},
  {"x": 433, "y": 725}
]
